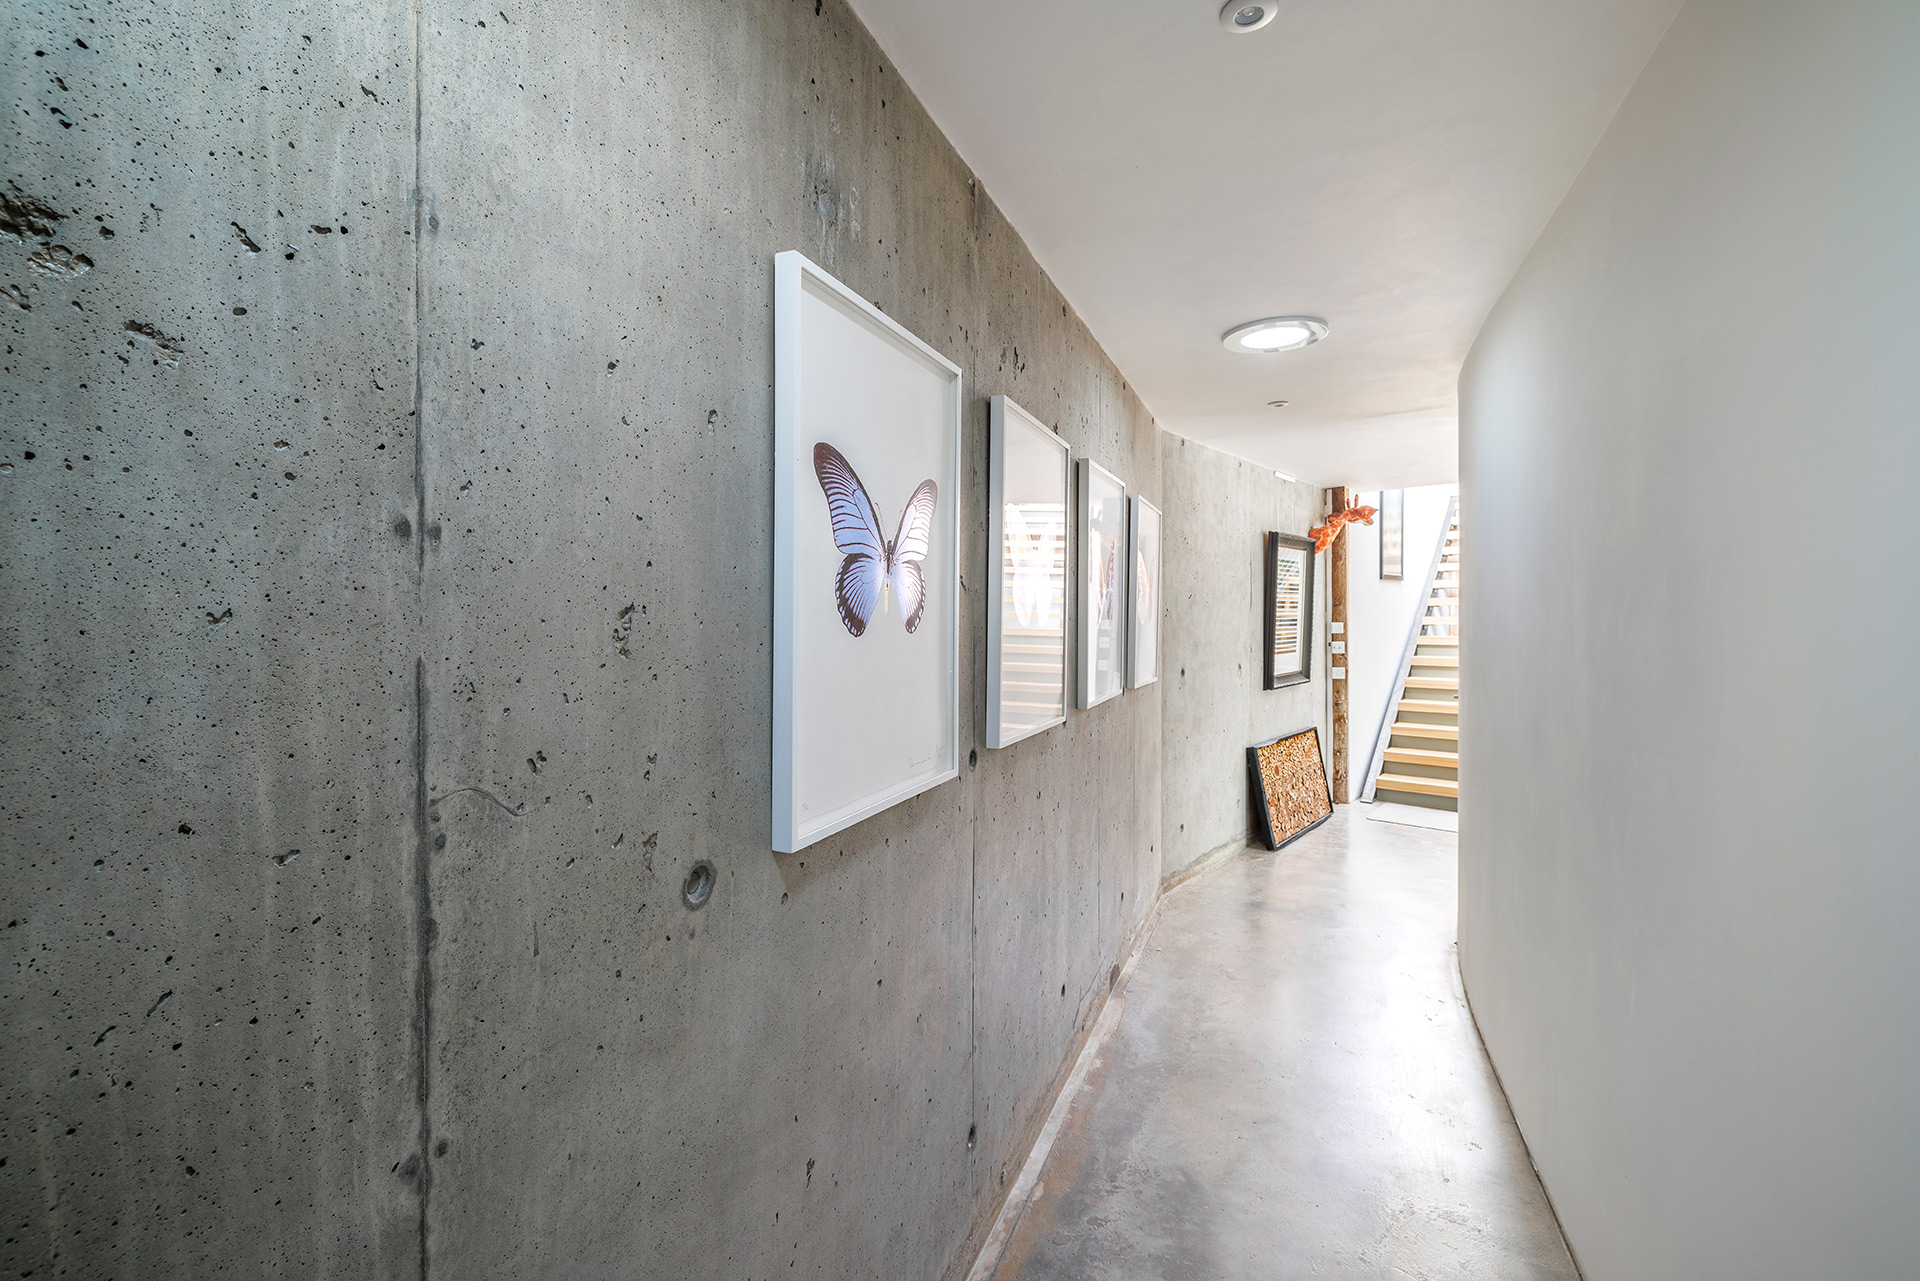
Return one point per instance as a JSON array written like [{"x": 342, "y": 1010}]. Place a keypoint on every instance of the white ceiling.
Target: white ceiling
[{"x": 1385, "y": 164}]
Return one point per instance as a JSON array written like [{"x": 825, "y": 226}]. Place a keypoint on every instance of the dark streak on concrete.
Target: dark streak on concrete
[
  {"x": 423, "y": 955},
  {"x": 419, "y": 316}
]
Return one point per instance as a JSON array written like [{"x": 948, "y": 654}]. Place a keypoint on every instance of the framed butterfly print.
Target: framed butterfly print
[
  {"x": 866, "y": 577},
  {"x": 1143, "y": 592},
  {"x": 1101, "y": 583},
  {"x": 1029, "y": 485}
]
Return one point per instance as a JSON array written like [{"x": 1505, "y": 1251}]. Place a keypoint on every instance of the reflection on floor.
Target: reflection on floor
[
  {"x": 1295, "y": 1089},
  {"x": 1413, "y": 816}
]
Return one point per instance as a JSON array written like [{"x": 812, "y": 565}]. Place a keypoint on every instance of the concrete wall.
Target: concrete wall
[
  {"x": 1219, "y": 509},
  {"x": 1381, "y": 611},
  {"x": 1688, "y": 873},
  {"x": 388, "y": 633}
]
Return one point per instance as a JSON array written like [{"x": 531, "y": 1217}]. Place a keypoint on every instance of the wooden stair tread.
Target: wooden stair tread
[
  {"x": 1424, "y": 756},
  {"x": 1421, "y": 755},
  {"x": 1433, "y": 707},
  {"x": 1409, "y": 783}
]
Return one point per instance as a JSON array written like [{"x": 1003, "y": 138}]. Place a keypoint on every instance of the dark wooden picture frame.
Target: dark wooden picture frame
[
  {"x": 1273, "y": 633},
  {"x": 1298, "y": 808}
]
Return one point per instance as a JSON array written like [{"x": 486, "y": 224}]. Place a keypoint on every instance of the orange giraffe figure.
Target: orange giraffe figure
[{"x": 1324, "y": 535}]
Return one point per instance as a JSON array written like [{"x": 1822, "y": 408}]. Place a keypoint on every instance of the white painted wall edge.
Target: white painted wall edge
[{"x": 1466, "y": 999}]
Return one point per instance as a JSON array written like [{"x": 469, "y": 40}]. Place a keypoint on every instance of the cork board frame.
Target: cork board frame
[{"x": 1288, "y": 779}]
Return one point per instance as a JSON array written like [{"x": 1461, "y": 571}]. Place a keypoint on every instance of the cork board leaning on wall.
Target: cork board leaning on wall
[{"x": 1290, "y": 792}]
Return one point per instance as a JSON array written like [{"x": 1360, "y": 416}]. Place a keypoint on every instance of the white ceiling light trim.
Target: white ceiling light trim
[
  {"x": 1243, "y": 16},
  {"x": 1275, "y": 333}
]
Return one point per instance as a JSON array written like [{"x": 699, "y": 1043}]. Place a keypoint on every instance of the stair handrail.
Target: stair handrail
[{"x": 1384, "y": 734}]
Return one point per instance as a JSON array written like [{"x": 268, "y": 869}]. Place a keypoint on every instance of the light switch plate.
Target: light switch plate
[{"x": 1339, "y": 647}]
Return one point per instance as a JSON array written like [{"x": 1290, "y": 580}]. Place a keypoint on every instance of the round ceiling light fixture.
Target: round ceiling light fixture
[
  {"x": 1279, "y": 404},
  {"x": 1244, "y": 16},
  {"x": 1275, "y": 333}
]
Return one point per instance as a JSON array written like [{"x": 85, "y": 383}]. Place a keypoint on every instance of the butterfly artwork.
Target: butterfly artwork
[
  {"x": 1032, "y": 553},
  {"x": 866, "y": 710},
  {"x": 874, "y": 565}
]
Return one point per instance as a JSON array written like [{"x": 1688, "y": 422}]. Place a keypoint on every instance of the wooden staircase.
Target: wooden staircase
[{"x": 1416, "y": 756}]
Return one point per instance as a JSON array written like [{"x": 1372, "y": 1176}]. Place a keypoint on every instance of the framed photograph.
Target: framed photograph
[
  {"x": 1143, "y": 592},
  {"x": 1029, "y": 487},
  {"x": 1289, "y": 613},
  {"x": 1290, "y": 792},
  {"x": 1102, "y": 611},
  {"x": 1393, "y": 533},
  {"x": 866, "y": 574}
]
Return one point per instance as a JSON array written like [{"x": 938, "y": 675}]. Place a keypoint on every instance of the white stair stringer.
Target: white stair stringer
[{"x": 1416, "y": 751}]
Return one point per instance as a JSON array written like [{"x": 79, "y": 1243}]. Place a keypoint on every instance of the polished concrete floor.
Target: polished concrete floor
[{"x": 1295, "y": 1089}]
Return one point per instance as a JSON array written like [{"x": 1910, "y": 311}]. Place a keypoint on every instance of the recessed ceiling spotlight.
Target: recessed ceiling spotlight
[
  {"x": 1279, "y": 404},
  {"x": 1241, "y": 17},
  {"x": 1275, "y": 333}
]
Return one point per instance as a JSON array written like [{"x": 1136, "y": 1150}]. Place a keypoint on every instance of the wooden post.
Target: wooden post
[{"x": 1339, "y": 499}]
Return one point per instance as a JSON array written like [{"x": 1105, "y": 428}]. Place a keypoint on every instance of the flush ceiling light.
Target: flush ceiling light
[
  {"x": 1279, "y": 404},
  {"x": 1275, "y": 333},
  {"x": 1241, "y": 17}
]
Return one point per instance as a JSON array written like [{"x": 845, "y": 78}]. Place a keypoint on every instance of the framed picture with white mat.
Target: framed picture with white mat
[
  {"x": 866, "y": 559},
  {"x": 1102, "y": 614},
  {"x": 1143, "y": 592},
  {"x": 1029, "y": 491}
]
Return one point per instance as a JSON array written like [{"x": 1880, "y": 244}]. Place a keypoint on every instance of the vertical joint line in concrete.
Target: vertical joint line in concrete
[
  {"x": 424, "y": 930},
  {"x": 419, "y": 322},
  {"x": 423, "y": 925}
]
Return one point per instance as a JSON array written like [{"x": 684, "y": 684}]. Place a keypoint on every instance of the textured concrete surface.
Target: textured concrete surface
[
  {"x": 1295, "y": 1089},
  {"x": 387, "y": 601},
  {"x": 1218, "y": 514},
  {"x": 209, "y": 645}
]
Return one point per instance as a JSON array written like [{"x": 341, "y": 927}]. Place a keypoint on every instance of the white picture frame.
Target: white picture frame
[
  {"x": 1143, "y": 592},
  {"x": 1393, "y": 534},
  {"x": 1029, "y": 505},
  {"x": 866, "y": 711},
  {"x": 1101, "y": 584}
]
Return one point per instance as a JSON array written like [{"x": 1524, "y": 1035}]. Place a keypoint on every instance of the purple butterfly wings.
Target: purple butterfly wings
[{"x": 872, "y": 561}]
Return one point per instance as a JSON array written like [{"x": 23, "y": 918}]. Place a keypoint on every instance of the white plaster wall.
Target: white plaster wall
[
  {"x": 1690, "y": 837},
  {"x": 1380, "y": 611}
]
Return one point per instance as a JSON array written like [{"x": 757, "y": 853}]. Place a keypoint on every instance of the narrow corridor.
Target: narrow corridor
[{"x": 1295, "y": 1089}]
